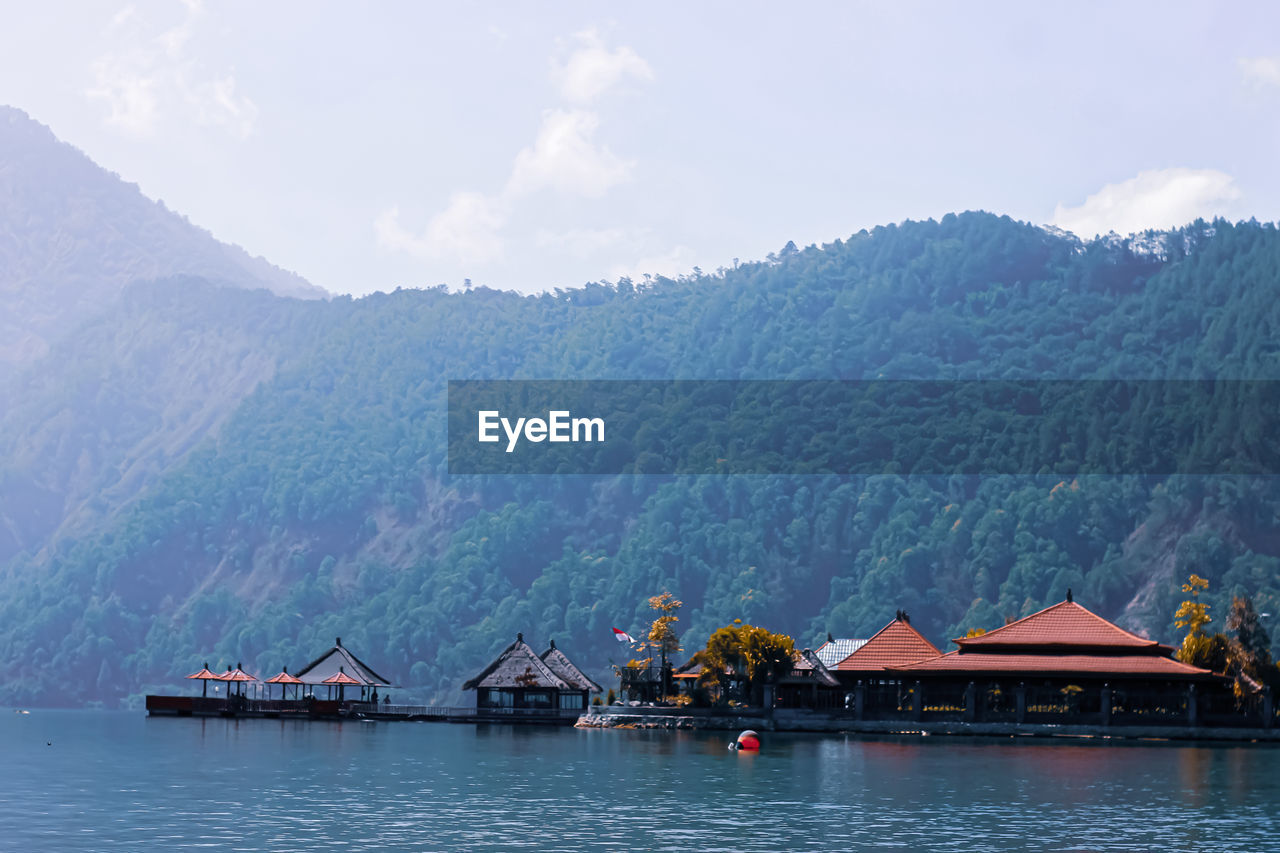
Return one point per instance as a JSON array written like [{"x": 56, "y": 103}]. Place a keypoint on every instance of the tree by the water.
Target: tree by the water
[
  {"x": 1198, "y": 648},
  {"x": 662, "y": 634},
  {"x": 747, "y": 655}
]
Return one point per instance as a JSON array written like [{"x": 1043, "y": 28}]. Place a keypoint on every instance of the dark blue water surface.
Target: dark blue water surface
[{"x": 80, "y": 780}]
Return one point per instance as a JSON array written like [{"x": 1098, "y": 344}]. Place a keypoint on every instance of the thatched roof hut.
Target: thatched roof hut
[
  {"x": 518, "y": 667},
  {"x": 560, "y": 664},
  {"x": 521, "y": 682}
]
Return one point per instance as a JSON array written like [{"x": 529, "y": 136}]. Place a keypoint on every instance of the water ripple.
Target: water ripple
[{"x": 121, "y": 782}]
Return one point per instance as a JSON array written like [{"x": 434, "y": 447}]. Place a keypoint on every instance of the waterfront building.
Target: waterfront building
[
  {"x": 340, "y": 667},
  {"x": 836, "y": 649},
  {"x": 1064, "y": 664},
  {"x": 896, "y": 644},
  {"x": 864, "y": 682},
  {"x": 685, "y": 677},
  {"x": 569, "y": 673},
  {"x": 520, "y": 682},
  {"x": 810, "y": 684}
]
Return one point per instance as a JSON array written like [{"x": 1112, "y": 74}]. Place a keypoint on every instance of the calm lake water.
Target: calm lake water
[{"x": 80, "y": 780}]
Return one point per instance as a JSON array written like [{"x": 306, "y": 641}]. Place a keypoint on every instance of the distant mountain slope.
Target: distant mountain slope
[
  {"x": 73, "y": 235},
  {"x": 321, "y": 505},
  {"x": 112, "y": 407}
]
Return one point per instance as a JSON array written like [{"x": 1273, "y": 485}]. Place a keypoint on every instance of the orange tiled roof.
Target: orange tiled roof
[
  {"x": 1135, "y": 665},
  {"x": 895, "y": 644},
  {"x": 1064, "y": 624},
  {"x": 237, "y": 674},
  {"x": 283, "y": 678},
  {"x": 341, "y": 678}
]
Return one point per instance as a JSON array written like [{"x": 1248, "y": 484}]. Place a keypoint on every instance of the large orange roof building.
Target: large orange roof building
[
  {"x": 896, "y": 644},
  {"x": 1065, "y": 640}
]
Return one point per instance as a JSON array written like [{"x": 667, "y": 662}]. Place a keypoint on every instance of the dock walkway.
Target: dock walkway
[{"x": 322, "y": 709}]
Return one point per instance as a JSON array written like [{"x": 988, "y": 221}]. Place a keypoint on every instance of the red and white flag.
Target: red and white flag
[{"x": 623, "y": 636}]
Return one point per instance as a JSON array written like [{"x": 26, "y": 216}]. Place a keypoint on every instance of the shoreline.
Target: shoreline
[{"x": 664, "y": 718}]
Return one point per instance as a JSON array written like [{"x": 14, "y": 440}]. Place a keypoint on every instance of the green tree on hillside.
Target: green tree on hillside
[{"x": 322, "y": 503}]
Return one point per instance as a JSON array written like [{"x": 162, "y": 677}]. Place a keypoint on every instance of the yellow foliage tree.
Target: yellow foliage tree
[
  {"x": 662, "y": 633},
  {"x": 754, "y": 655},
  {"x": 1193, "y": 614},
  {"x": 1198, "y": 648}
]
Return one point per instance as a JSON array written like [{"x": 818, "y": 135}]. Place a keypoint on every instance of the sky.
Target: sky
[{"x": 534, "y": 146}]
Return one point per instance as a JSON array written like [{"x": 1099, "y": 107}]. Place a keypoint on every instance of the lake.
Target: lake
[{"x": 108, "y": 781}]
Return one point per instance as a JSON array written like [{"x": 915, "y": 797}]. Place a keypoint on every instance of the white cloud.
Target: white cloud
[
  {"x": 1260, "y": 71},
  {"x": 566, "y": 158},
  {"x": 149, "y": 77},
  {"x": 1164, "y": 198},
  {"x": 124, "y": 16},
  {"x": 216, "y": 104},
  {"x": 392, "y": 235},
  {"x": 585, "y": 242},
  {"x": 592, "y": 69},
  {"x": 131, "y": 96},
  {"x": 672, "y": 263},
  {"x": 466, "y": 230}
]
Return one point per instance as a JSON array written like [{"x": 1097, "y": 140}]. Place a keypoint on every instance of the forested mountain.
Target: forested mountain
[
  {"x": 113, "y": 406},
  {"x": 72, "y": 235},
  {"x": 204, "y": 473}
]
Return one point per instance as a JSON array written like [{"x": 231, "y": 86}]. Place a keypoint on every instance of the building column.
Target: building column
[
  {"x": 1268, "y": 712},
  {"x": 1020, "y": 697},
  {"x": 918, "y": 708},
  {"x": 1106, "y": 704},
  {"x": 970, "y": 703},
  {"x": 859, "y": 700},
  {"x": 1192, "y": 703}
]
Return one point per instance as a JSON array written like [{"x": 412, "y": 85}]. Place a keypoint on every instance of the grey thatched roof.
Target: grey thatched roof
[
  {"x": 518, "y": 666},
  {"x": 339, "y": 657},
  {"x": 563, "y": 667}
]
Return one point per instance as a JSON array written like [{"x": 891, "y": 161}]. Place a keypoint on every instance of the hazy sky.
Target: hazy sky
[{"x": 539, "y": 145}]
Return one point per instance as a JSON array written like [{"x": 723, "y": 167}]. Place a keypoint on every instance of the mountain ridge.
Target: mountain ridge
[
  {"x": 202, "y": 472},
  {"x": 73, "y": 235}
]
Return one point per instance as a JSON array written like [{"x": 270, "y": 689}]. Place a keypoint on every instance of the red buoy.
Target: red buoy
[{"x": 749, "y": 740}]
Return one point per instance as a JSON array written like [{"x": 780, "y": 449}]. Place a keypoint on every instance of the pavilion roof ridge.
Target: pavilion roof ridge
[
  {"x": 896, "y": 643},
  {"x": 568, "y": 671},
  {"x": 351, "y": 664},
  {"x": 1062, "y": 625},
  {"x": 505, "y": 670}
]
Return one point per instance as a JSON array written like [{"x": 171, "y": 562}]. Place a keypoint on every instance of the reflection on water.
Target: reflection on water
[{"x": 112, "y": 781}]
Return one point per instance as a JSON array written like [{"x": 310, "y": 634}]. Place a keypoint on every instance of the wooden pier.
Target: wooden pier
[{"x": 237, "y": 707}]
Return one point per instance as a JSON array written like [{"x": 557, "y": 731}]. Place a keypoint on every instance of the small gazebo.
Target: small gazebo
[
  {"x": 340, "y": 661},
  {"x": 236, "y": 676},
  {"x": 340, "y": 679},
  {"x": 205, "y": 676},
  {"x": 284, "y": 679}
]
